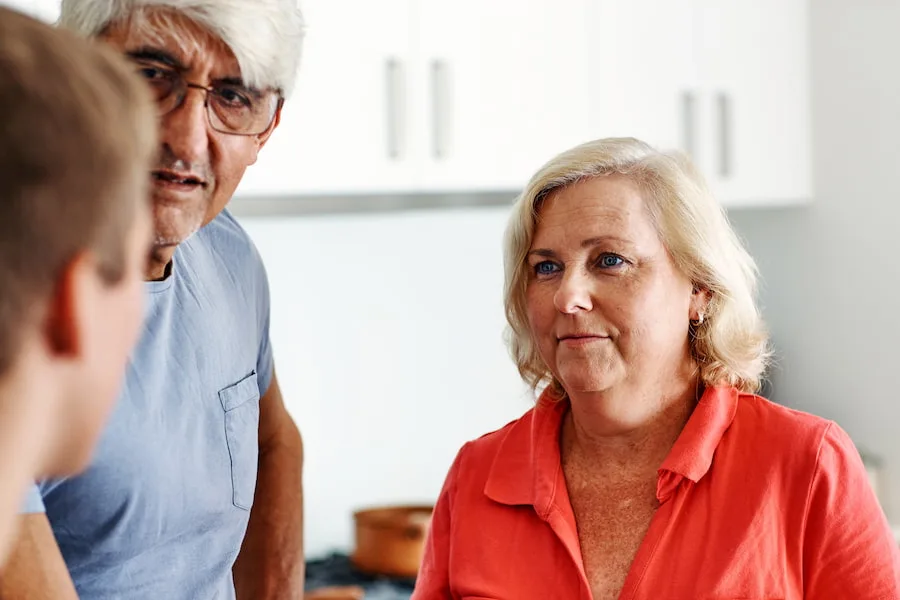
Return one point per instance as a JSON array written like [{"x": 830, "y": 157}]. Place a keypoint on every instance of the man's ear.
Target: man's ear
[
  {"x": 64, "y": 322},
  {"x": 263, "y": 138}
]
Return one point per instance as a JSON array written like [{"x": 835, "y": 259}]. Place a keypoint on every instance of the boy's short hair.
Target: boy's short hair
[{"x": 78, "y": 134}]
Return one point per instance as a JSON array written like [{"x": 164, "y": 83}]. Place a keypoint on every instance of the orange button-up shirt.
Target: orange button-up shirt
[{"x": 756, "y": 501}]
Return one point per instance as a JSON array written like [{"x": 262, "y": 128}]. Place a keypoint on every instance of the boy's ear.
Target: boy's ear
[{"x": 63, "y": 327}]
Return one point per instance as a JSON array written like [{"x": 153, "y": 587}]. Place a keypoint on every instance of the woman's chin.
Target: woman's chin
[
  {"x": 588, "y": 374},
  {"x": 588, "y": 383}
]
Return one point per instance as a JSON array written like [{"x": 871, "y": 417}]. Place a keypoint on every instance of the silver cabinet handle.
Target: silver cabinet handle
[
  {"x": 440, "y": 106},
  {"x": 724, "y": 111},
  {"x": 689, "y": 123},
  {"x": 395, "y": 108}
]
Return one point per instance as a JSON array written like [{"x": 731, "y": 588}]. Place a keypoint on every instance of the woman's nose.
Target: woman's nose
[{"x": 574, "y": 293}]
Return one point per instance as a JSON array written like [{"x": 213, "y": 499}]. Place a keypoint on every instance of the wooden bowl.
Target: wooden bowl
[{"x": 390, "y": 540}]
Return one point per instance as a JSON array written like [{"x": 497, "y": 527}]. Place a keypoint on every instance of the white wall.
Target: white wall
[
  {"x": 832, "y": 280},
  {"x": 387, "y": 332}
]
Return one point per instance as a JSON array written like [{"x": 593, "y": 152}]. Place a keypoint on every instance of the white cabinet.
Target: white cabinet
[
  {"x": 643, "y": 71},
  {"x": 344, "y": 128},
  {"x": 725, "y": 81},
  {"x": 504, "y": 88},
  {"x": 429, "y": 95},
  {"x": 754, "y": 138}
]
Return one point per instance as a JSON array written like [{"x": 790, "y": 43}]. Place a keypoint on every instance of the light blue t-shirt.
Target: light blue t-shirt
[{"x": 162, "y": 510}]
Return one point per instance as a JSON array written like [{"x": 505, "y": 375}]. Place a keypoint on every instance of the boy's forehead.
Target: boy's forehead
[{"x": 189, "y": 45}]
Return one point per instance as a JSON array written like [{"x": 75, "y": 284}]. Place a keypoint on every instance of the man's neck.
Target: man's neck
[{"x": 159, "y": 266}]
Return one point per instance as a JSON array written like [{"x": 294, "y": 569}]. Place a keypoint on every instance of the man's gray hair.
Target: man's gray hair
[{"x": 266, "y": 36}]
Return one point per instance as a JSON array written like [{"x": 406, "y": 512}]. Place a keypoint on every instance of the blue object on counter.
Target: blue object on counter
[{"x": 337, "y": 569}]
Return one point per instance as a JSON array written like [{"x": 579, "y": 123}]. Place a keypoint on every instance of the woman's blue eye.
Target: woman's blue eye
[
  {"x": 545, "y": 268},
  {"x": 608, "y": 261}
]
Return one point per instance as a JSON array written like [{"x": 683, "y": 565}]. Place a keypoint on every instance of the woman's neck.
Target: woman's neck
[{"x": 628, "y": 429}]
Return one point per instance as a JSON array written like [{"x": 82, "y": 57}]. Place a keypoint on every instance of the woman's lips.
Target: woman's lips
[{"x": 581, "y": 339}]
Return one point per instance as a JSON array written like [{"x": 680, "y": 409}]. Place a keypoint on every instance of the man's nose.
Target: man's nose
[{"x": 185, "y": 130}]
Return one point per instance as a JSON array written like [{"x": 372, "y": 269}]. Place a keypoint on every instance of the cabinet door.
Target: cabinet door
[
  {"x": 753, "y": 57},
  {"x": 642, "y": 76},
  {"x": 46, "y": 10},
  {"x": 502, "y": 87},
  {"x": 345, "y": 128}
]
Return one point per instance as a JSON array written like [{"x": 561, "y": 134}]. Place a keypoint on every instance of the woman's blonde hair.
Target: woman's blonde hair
[{"x": 731, "y": 344}]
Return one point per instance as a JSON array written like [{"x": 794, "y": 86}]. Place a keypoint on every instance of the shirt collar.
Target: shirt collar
[
  {"x": 692, "y": 455},
  {"x": 526, "y": 469},
  {"x": 527, "y": 464}
]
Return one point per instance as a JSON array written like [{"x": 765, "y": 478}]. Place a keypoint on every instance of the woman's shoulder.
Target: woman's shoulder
[
  {"x": 781, "y": 431},
  {"x": 758, "y": 411},
  {"x": 511, "y": 443},
  {"x": 488, "y": 444}
]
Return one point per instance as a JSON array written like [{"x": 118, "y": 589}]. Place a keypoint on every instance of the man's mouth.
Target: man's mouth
[{"x": 179, "y": 179}]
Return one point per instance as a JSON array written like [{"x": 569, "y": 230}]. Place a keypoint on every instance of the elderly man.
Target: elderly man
[{"x": 195, "y": 492}]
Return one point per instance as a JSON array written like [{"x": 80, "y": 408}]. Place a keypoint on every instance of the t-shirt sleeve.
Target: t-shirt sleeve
[
  {"x": 849, "y": 549},
  {"x": 33, "y": 502},
  {"x": 264, "y": 362}
]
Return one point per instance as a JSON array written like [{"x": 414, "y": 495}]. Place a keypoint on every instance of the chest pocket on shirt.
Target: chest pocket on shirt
[{"x": 241, "y": 405}]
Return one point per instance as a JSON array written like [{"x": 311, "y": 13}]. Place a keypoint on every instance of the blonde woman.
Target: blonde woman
[{"x": 648, "y": 468}]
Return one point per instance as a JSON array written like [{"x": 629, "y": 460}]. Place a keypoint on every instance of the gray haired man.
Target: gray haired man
[{"x": 195, "y": 491}]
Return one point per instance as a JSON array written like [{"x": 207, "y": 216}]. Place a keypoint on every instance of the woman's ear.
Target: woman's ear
[{"x": 700, "y": 298}]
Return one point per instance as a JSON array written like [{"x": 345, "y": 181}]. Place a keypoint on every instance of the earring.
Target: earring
[{"x": 698, "y": 321}]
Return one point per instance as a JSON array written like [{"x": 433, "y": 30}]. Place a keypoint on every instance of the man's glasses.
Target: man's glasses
[{"x": 231, "y": 108}]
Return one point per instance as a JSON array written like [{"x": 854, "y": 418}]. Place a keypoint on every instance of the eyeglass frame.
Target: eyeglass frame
[{"x": 188, "y": 85}]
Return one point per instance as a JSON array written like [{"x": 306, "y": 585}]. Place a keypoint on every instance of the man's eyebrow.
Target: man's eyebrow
[
  {"x": 238, "y": 82},
  {"x": 168, "y": 59},
  {"x": 156, "y": 55},
  {"x": 232, "y": 81}
]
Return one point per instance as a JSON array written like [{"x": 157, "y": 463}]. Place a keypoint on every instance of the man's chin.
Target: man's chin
[
  {"x": 170, "y": 239},
  {"x": 173, "y": 227},
  {"x": 163, "y": 242},
  {"x": 171, "y": 232}
]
